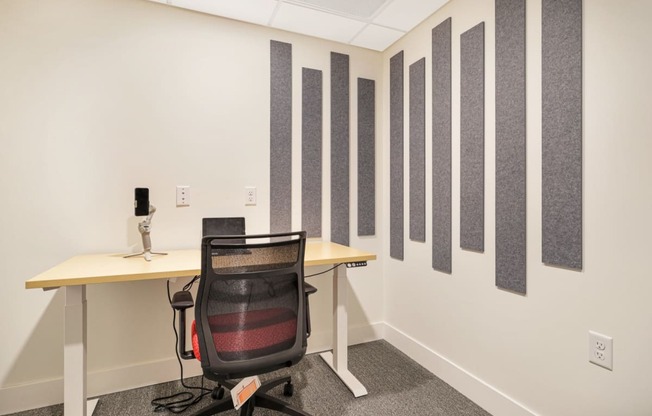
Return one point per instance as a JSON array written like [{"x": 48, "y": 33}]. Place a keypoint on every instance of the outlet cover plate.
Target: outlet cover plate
[
  {"x": 601, "y": 349},
  {"x": 250, "y": 195},
  {"x": 183, "y": 196}
]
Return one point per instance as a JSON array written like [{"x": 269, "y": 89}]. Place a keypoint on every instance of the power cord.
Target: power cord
[
  {"x": 184, "y": 400},
  {"x": 325, "y": 271},
  {"x": 186, "y": 287}
]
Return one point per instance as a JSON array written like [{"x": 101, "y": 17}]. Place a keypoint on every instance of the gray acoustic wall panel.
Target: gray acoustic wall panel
[
  {"x": 311, "y": 151},
  {"x": 510, "y": 146},
  {"x": 340, "y": 148},
  {"x": 472, "y": 139},
  {"x": 366, "y": 157},
  {"x": 562, "y": 132},
  {"x": 441, "y": 147},
  {"x": 418, "y": 150},
  {"x": 396, "y": 162},
  {"x": 280, "y": 203}
]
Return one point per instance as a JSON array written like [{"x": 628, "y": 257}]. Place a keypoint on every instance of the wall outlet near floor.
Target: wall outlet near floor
[{"x": 601, "y": 349}]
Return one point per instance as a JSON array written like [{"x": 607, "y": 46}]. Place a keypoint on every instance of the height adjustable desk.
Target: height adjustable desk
[{"x": 74, "y": 274}]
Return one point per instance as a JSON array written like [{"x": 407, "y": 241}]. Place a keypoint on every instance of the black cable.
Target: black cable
[
  {"x": 180, "y": 405},
  {"x": 186, "y": 287},
  {"x": 325, "y": 271},
  {"x": 189, "y": 399}
]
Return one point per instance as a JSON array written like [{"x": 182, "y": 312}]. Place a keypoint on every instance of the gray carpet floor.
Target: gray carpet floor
[{"x": 397, "y": 386}]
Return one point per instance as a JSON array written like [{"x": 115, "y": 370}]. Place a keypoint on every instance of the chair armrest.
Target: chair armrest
[
  {"x": 182, "y": 300},
  {"x": 308, "y": 288}
]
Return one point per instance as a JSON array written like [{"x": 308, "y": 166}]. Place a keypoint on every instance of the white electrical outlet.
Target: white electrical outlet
[
  {"x": 601, "y": 349},
  {"x": 183, "y": 196},
  {"x": 250, "y": 195}
]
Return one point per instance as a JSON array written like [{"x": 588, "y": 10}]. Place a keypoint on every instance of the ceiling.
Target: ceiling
[{"x": 372, "y": 24}]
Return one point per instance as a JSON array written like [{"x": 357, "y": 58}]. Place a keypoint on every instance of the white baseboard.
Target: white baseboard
[
  {"x": 358, "y": 334},
  {"x": 481, "y": 393},
  {"x": 49, "y": 392},
  {"x": 30, "y": 396}
]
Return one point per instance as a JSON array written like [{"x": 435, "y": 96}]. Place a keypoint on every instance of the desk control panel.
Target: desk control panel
[{"x": 356, "y": 264}]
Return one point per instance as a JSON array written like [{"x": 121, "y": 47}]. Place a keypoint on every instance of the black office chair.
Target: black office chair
[
  {"x": 236, "y": 226},
  {"x": 250, "y": 315}
]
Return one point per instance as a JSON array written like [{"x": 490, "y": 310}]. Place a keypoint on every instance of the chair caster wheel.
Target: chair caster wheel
[
  {"x": 288, "y": 389},
  {"x": 217, "y": 393}
]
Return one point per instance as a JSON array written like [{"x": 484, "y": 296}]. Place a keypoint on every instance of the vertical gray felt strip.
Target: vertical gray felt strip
[
  {"x": 441, "y": 147},
  {"x": 366, "y": 157},
  {"x": 562, "y": 132},
  {"x": 418, "y": 150},
  {"x": 280, "y": 203},
  {"x": 396, "y": 156},
  {"x": 510, "y": 146},
  {"x": 340, "y": 148},
  {"x": 472, "y": 139},
  {"x": 311, "y": 151}
]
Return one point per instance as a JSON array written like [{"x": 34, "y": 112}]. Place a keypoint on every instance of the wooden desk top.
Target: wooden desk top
[{"x": 111, "y": 268}]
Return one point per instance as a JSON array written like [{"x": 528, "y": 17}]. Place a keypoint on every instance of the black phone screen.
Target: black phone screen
[{"x": 141, "y": 201}]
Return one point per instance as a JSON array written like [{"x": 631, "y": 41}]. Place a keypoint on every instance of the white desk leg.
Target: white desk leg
[
  {"x": 74, "y": 354},
  {"x": 338, "y": 359}
]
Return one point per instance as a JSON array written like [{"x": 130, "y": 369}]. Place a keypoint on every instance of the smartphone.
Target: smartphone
[{"x": 141, "y": 201}]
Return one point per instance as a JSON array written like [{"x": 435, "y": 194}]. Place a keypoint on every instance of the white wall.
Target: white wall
[
  {"x": 101, "y": 96},
  {"x": 529, "y": 354}
]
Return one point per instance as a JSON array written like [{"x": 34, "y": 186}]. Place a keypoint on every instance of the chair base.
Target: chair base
[{"x": 260, "y": 399}]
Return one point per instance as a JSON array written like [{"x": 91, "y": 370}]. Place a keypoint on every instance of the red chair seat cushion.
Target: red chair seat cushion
[{"x": 249, "y": 334}]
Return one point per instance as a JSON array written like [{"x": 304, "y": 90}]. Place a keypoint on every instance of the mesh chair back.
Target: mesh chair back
[
  {"x": 224, "y": 226},
  {"x": 250, "y": 312}
]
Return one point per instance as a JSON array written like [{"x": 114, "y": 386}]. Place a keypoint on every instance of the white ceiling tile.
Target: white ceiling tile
[
  {"x": 253, "y": 11},
  {"x": 315, "y": 23},
  {"x": 346, "y": 21},
  {"x": 406, "y": 14},
  {"x": 377, "y": 37},
  {"x": 361, "y": 9}
]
